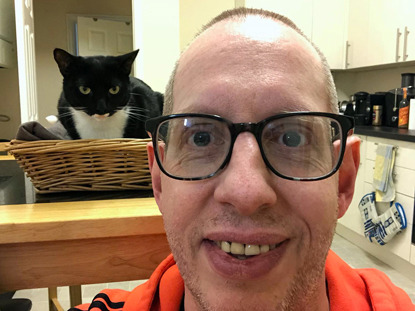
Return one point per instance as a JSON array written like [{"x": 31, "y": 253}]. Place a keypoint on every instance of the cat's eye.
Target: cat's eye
[
  {"x": 114, "y": 90},
  {"x": 84, "y": 90}
]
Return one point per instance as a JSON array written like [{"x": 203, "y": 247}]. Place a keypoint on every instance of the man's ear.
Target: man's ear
[
  {"x": 347, "y": 173},
  {"x": 155, "y": 174}
]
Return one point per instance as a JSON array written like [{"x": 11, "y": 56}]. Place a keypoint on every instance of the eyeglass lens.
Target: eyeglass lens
[{"x": 303, "y": 146}]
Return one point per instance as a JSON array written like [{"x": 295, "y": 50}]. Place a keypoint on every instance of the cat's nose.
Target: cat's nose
[
  {"x": 101, "y": 117},
  {"x": 102, "y": 107}
]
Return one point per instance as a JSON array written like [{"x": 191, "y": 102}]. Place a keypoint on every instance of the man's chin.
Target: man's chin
[
  {"x": 224, "y": 282},
  {"x": 227, "y": 297},
  {"x": 227, "y": 283}
]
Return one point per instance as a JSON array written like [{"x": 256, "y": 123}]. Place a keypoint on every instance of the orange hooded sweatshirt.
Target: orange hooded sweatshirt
[{"x": 349, "y": 289}]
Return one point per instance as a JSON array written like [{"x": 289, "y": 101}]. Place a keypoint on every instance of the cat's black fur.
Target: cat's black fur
[{"x": 99, "y": 74}]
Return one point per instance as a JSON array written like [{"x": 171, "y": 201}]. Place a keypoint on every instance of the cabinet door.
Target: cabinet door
[
  {"x": 375, "y": 32},
  {"x": 407, "y": 27},
  {"x": 300, "y": 12},
  {"x": 384, "y": 34},
  {"x": 329, "y": 30},
  {"x": 358, "y": 33}
]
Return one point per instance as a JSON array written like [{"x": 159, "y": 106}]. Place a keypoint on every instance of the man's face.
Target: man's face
[{"x": 234, "y": 72}]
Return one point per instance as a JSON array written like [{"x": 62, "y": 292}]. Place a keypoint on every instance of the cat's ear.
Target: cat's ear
[
  {"x": 63, "y": 59},
  {"x": 127, "y": 61}
]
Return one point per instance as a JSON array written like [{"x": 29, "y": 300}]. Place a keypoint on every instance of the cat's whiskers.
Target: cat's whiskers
[
  {"x": 136, "y": 116},
  {"x": 138, "y": 109},
  {"x": 65, "y": 114}
]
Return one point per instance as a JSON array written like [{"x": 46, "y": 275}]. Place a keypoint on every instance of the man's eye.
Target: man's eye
[
  {"x": 200, "y": 139},
  {"x": 84, "y": 90},
  {"x": 292, "y": 139},
  {"x": 114, "y": 90}
]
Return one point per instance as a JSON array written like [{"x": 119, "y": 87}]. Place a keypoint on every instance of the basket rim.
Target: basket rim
[{"x": 79, "y": 145}]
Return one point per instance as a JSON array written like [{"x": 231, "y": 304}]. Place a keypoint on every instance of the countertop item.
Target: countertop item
[{"x": 386, "y": 132}]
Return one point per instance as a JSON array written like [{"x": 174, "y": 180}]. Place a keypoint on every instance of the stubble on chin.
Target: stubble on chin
[{"x": 300, "y": 294}]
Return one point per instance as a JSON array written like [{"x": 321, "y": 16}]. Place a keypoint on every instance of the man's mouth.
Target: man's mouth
[
  {"x": 233, "y": 259},
  {"x": 244, "y": 251}
]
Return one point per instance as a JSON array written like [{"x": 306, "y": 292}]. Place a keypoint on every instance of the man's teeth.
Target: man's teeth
[{"x": 244, "y": 249}]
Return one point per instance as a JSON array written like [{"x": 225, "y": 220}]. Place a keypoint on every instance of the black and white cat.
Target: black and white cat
[{"x": 100, "y": 100}]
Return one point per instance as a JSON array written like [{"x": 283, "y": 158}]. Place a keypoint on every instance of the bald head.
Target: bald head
[{"x": 247, "y": 43}]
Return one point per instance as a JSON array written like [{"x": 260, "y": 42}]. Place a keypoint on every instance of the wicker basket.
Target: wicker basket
[{"x": 84, "y": 165}]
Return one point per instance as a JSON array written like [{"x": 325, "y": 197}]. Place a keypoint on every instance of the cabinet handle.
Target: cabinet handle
[
  {"x": 347, "y": 64},
  {"x": 398, "y": 35},
  {"x": 405, "y": 43}
]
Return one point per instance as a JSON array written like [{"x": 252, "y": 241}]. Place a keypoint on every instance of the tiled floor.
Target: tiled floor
[
  {"x": 352, "y": 254},
  {"x": 358, "y": 258}
]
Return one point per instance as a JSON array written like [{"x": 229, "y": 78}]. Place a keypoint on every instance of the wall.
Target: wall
[
  {"x": 164, "y": 28},
  {"x": 195, "y": 14},
  {"x": 156, "y": 34},
  {"x": 9, "y": 83},
  {"x": 50, "y": 32},
  {"x": 9, "y": 102}
]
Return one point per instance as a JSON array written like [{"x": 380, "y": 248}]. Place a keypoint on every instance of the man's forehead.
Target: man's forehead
[
  {"x": 246, "y": 36},
  {"x": 247, "y": 30},
  {"x": 254, "y": 27},
  {"x": 251, "y": 52}
]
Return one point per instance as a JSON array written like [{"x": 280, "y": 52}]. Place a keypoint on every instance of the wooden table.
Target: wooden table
[{"x": 72, "y": 243}]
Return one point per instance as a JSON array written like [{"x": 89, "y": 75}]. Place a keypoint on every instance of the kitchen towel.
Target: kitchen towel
[
  {"x": 382, "y": 177},
  {"x": 33, "y": 130}
]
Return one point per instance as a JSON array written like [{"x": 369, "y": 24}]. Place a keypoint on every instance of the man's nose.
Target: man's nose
[{"x": 246, "y": 182}]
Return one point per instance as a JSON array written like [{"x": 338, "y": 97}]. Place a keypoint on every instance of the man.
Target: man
[{"x": 247, "y": 177}]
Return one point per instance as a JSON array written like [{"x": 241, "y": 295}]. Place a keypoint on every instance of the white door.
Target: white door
[
  {"x": 98, "y": 36},
  {"x": 25, "y": 39}
]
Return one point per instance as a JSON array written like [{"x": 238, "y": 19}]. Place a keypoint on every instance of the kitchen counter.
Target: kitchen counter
[{"x": 386, "y": 132}]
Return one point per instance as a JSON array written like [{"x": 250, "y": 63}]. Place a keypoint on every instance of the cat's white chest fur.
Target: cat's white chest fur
[{"x": 90, "y": 128}]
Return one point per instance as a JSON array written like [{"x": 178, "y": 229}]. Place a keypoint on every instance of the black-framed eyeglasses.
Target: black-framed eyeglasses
[{"x": 296, "y": 145}]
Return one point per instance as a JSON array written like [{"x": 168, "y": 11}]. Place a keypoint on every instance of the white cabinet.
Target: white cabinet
[
  {"x": 329, "y": 30},
  {"x": 382, "y": 38},
  {"x": 380, "y": 32},
  {"x": 406, "y": 24},
  {"x": 404, "y": 180},
  {"x": 358, "y": 33},
  {"x": 322, "y": 21}
]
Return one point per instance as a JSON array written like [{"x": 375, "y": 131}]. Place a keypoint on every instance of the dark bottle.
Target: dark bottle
[{"x": 404, "y": 110}]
